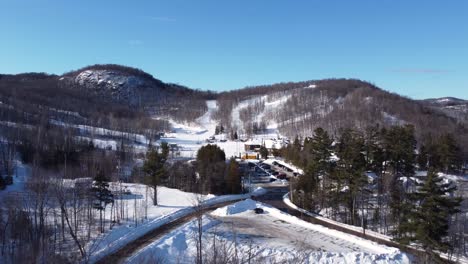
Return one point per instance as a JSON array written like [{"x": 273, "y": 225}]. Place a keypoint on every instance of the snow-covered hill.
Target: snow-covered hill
[
  {"x": 453, "y": 107},
  {"x": 118, "y": 83}
]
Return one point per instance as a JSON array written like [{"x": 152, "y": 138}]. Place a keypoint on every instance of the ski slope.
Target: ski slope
[{"x": 191, "y": 137}]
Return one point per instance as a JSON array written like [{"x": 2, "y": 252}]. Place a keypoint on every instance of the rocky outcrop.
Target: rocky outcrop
[{"x": 123, "y": 85}]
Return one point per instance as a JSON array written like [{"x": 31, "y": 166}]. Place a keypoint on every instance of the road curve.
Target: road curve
[
  {"x": 274, "y": 197},
  {"x": 128, "y": 250}
]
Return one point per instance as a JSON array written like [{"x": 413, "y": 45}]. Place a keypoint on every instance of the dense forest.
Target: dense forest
[{"x": 369, "y": 179}]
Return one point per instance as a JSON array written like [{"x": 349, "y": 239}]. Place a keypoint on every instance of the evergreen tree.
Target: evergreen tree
[
  {"x": 375, "y": 158},
  {"x": 233, "y": 177},
  {"x": 154, "y": 170},
  {"x": 321, "y": 148},
  {"x": 165, "y": 150},
  {"x": 316, "y": 161},
  {"x": 428, "y": 223},
  {"x": 211, "y": 163},
  {"x": 103, "y": 196},
  {"x": 373, "y": 150},
  {"x": 292, "y": 152},
  {"x": 263, "y": 152},
  {"x": 351, "y": 167},
  {"x": 399, "y": 150},
  {"x": 423, "y": 157},
  {"x": 308, "y": 185},
  {"x": 449, "y": 153}
]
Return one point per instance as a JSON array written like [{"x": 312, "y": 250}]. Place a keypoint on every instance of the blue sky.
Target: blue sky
[{"x": 415, "y": 48}]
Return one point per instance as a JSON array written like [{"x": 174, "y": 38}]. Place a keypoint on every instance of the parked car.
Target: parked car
[
  {"x": 258, "y": 210},
  {"x": 281, "y": 176}
]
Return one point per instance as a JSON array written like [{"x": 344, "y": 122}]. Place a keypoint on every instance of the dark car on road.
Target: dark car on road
[{"x": 281, "y": 176}]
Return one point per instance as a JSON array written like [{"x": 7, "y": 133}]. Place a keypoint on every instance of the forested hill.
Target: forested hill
[
  {"x": 104, "y": 94},
  {"x": 298, "y": 108},
  {"x": 99, "y": 95}
]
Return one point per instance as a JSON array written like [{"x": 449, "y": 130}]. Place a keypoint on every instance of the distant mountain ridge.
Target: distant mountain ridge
[
  {"x": 451, "y": 106},
  {"x": 292, "y": 108}
]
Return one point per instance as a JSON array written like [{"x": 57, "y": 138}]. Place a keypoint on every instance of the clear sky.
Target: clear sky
[{"x": 415, "y": 48}]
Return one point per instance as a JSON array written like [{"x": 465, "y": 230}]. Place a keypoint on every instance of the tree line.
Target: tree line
[
  {"x": 209, "y": 173},
  {"x": 369, "y": 179}
]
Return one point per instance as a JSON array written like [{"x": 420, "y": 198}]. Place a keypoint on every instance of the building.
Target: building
[
  {"x": 252, "y": 146},
  {"x": 250, "y": 155}
]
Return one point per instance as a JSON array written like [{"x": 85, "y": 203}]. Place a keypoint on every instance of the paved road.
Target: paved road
[
  {"x": 128, "y": 250},
  {"x": 274, "y": 197}
]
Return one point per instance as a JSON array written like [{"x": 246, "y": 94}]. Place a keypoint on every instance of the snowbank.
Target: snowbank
[
  {"x": 119, "y": 237},
  {"x": 267, "y": 244},
  {"x": 288, "y": 202},
  {"x": 236, "y": 208}
]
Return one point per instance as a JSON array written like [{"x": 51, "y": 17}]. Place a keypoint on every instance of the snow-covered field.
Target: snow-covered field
[{"x": 271, "y": 237}]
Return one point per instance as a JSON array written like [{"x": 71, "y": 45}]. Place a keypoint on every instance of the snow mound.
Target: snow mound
[
  {"x": 275, "y": 237},
  {"x": 236, "y": 208}
]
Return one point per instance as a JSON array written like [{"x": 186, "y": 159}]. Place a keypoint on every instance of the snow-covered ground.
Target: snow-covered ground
[
  {"x": 273, "y": 237},
  {"x": 172, "y": 204},
  {"x": 134, "y": 206},
  {"x": 141, "y": 215},
  {"x": 271, "y": 103},
  {"x": 191, "y": 137}
]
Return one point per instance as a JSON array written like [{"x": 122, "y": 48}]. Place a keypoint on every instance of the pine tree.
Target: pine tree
[
  {"x": 423, "y": 157},
  {"x": 351, "y": 167},
  {"x": 308, "y": 185},
  {"x": 399, "y": 149},
  {"x": 233, "y": 177},
  {"x": 211, "y": 163},
  {"x": 373, "y": 150},
  {"x": 154, "y": 170},
  {"x": 450, "y": 154},
  {"x": 315, "y": 158},
  {"x": 263, "y": 152},
  {"x": 321, "y": 148},
  {"x": 428, "y": 224},
  {"x": 103, "y": 196}
]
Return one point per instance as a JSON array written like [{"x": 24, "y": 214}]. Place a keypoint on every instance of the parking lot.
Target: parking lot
[{"x": 259, "y": 173}]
